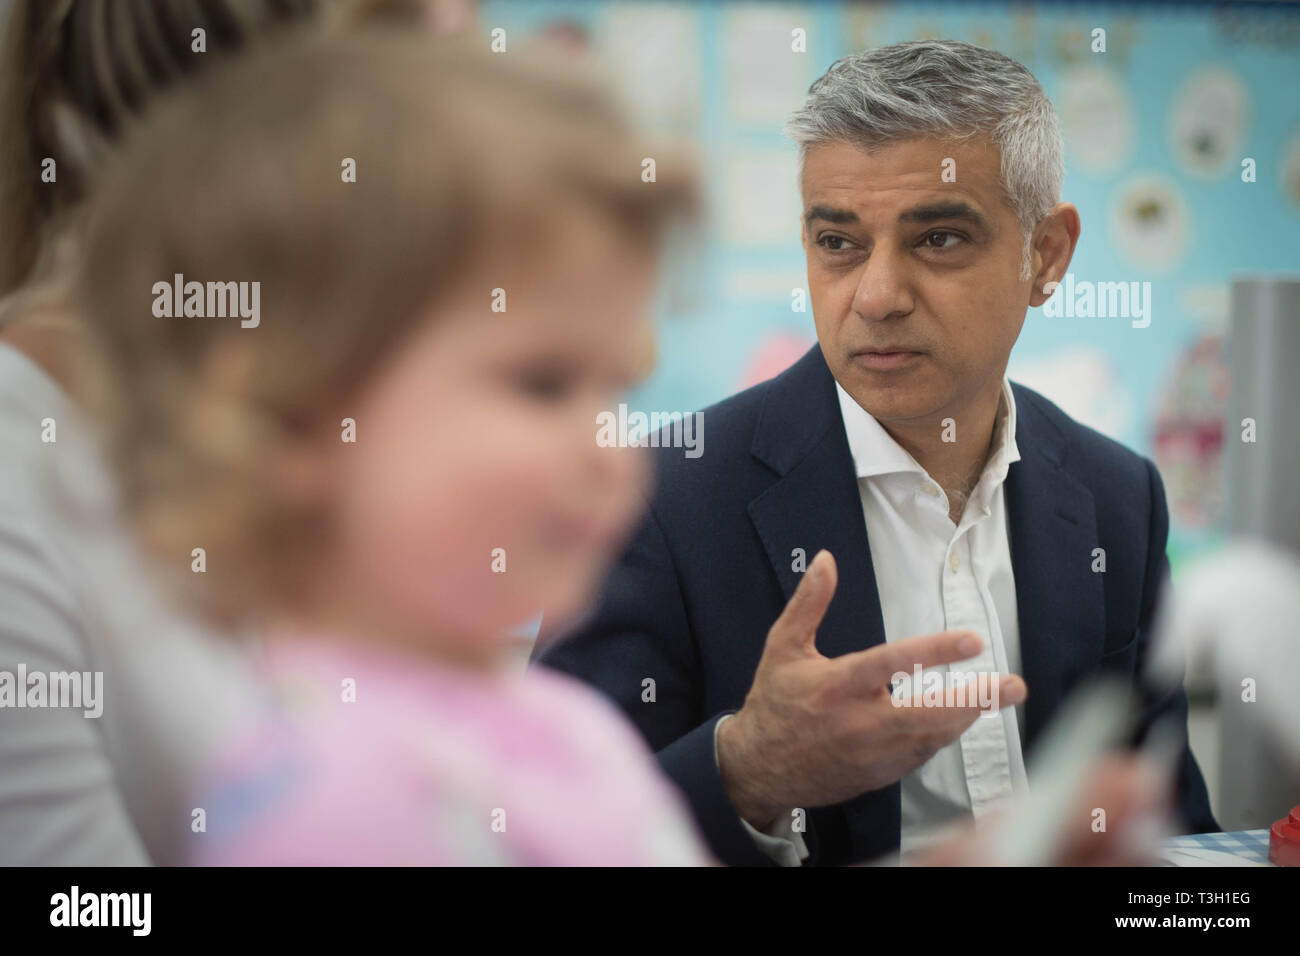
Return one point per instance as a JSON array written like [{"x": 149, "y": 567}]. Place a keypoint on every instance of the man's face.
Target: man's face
[{"x": 916, "y": 282}]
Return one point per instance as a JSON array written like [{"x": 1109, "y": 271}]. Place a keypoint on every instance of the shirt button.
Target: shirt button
[
  {"x": 954, "y": 562},
  {"x": 930, "y": 488}
]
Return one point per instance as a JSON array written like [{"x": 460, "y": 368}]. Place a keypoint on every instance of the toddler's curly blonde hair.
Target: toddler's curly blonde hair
[{"x": 240, "y": 177}]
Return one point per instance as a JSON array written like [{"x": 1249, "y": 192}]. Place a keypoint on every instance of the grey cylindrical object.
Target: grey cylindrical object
[
  {"x": 1263, "y": 478},
  {"x": 1263, "y": 498}
]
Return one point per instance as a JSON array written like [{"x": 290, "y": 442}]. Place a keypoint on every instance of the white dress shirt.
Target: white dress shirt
[{"x": 933, "y": 576}]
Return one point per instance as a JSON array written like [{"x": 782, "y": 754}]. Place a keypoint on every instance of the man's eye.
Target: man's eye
[
  {"x": 943, "y": 237},
  {"x": 833, "y": 243}
]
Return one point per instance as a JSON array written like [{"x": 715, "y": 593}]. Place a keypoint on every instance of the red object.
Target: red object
[{"x": 1284, "y": 840}]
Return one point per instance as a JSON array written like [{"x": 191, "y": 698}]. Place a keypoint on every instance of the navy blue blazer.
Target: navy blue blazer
[{"x": 708, "y": 571}]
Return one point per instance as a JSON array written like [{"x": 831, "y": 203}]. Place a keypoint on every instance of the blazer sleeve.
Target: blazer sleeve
[
  {"x": 1192, "y": 801},
  {"x": 637, "y": 647}
]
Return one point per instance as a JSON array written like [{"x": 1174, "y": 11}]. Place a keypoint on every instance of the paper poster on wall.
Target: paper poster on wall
[
  {"x": 1097, "y": 119},
  {"x": 654, "y": 53},
  {"x": 771, "y": 286},
  {"x": 1082, "y": 380},
  {"x": 863, "y": 26},
  {"x": 1150, "y": 221},
  {"x": 1207, "y": 122},
  {"x": 760, "y": 197},
  {"x": 765, "y": 76}
]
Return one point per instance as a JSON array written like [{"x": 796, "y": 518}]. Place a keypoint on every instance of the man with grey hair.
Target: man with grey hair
[{"x": 956, "y": 523}]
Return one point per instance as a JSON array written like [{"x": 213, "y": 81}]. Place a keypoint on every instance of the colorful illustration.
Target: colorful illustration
[
  {"x": 1189, "y": 429},
  {"x": 1150, "y": 222},
  {"x": 1207, "y": 125}
]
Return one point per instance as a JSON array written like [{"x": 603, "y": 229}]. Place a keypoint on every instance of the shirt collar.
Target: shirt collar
[{"x": 876, "y": 453}]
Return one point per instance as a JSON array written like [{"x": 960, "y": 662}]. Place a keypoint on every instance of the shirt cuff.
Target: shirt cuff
[{"x": 780, "y": 842}]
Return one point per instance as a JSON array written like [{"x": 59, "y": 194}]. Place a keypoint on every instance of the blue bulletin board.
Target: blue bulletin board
[{"x": 1182, "y": 155}]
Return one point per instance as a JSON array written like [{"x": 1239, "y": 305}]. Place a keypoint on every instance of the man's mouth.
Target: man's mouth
[{"x": 885, "y": 358}]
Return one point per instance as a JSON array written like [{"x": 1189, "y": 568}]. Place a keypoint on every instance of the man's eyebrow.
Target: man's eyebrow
[
  {"x": 830, "y": 214},
  {"x": 944, "y": 210},
  {"x": 921, "y": 214}
]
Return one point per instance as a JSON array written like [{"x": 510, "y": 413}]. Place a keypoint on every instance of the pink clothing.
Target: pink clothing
[{"x": 430, "y": 765}]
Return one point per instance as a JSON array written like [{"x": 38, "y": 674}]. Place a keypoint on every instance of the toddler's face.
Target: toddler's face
[{"x": 476, "y": 494}]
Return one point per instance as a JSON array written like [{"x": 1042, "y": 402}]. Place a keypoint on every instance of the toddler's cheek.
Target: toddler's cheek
[
  {"x": 485, "y": 579},
  {"x": 569, "y": 584}
]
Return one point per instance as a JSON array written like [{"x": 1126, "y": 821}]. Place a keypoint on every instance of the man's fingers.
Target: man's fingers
[
  {"x": 1011, "y": 691},
  {"x": 876, "y": 666},
  {"x": 945, "y": 716},
  {"x": 985, "y": 692},
  {"x": 796, "y": 628}
]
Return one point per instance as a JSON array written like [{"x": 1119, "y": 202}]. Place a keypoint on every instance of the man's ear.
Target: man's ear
[{"x": 1052, "y": 249}]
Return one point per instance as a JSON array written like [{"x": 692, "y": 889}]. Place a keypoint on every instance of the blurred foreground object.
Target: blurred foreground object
[
  {"x": 1239, "y": 607},
  {"x": 1284, "y": 840},
  {"x": 1259, "y": 774},
  {"x": 1087, "y": 806}
]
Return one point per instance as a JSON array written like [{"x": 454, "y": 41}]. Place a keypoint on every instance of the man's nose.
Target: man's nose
[{"x": 884, "y": 286}]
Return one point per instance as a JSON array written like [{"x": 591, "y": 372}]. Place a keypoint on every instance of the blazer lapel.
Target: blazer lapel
[
  {"x": 1060, "y": 600},
  {"x": 815, "y": 503}
]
